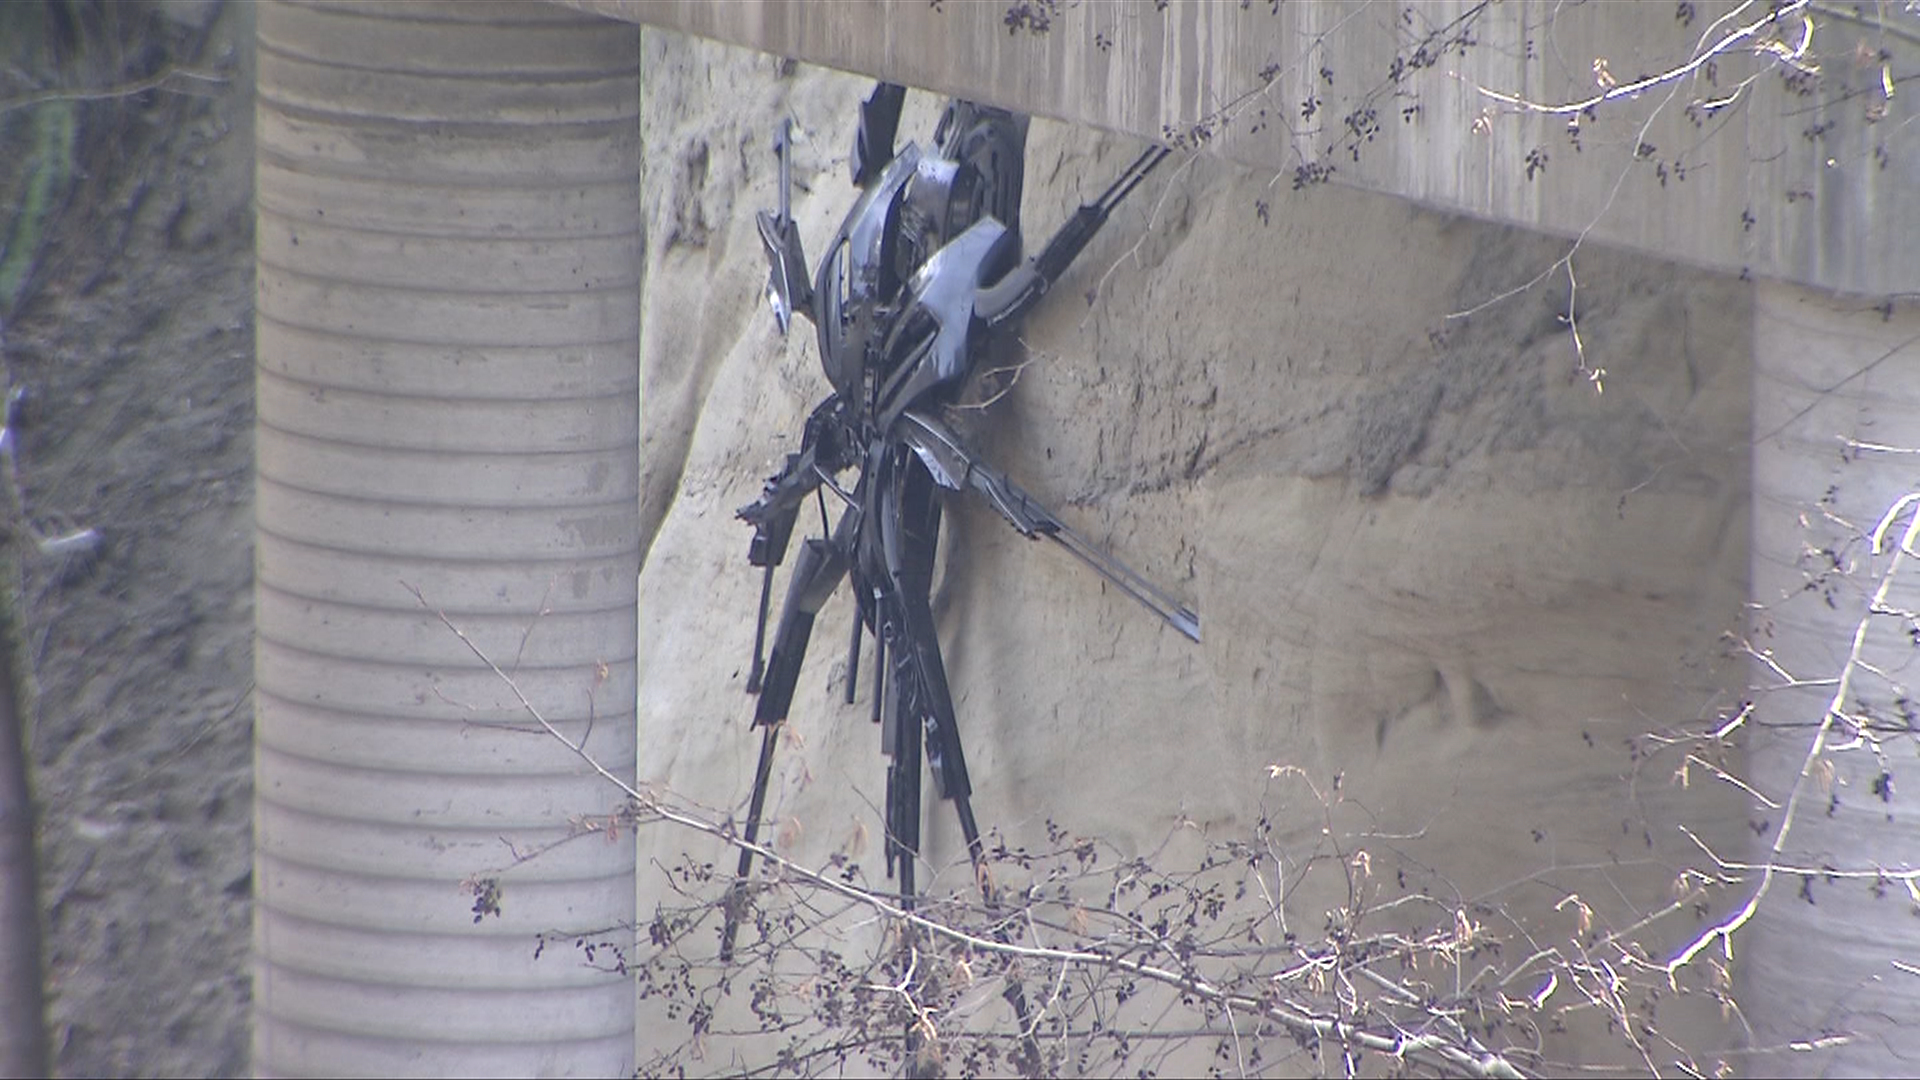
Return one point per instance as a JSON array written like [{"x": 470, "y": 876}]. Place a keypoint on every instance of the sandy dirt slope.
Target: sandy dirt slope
[
  {"x": 135, "y": 351},
  {"x": 1429, "y": 558}
]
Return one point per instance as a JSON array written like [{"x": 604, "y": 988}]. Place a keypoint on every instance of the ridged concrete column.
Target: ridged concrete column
[
  {"x": 1821, "y": 961},
  {"x": 448, "y": 317}
]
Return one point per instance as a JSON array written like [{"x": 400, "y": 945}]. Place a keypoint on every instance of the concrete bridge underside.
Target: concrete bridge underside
[{"x": 1463, "y": 107}]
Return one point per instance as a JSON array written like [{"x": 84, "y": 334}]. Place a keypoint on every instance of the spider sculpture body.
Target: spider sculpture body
[{"x": 925, "y": 267}]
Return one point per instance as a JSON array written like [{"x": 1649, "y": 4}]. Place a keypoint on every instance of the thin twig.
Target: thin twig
[
  {"x": 1440, "y": 1051},
  {"x": 1792, "y": 55},
  {"x": 1724, "y": 930},
  {"x": 139, "y": 86}
]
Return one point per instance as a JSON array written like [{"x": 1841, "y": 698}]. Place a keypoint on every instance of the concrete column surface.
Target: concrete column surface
[
  {"x": 1829, "y": 375},
  {"x": 449, "y": 242}
]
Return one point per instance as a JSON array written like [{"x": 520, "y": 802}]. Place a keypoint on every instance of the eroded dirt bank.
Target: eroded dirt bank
[{"x": 1437, "y": 571}]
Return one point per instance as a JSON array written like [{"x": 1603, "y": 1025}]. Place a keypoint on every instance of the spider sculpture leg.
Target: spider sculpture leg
[
  {"x": 774, "y": 513},
  {"x": 956, "y": 466},
  {"x": 920, "y": 705},
  {"x": 873, "y": 140},
  {"x": 1011, "y": 297},
  {"x": 817, "y": 572}
]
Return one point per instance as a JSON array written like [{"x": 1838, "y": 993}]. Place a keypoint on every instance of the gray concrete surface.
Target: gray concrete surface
[{"x": 1797, "y": 176}]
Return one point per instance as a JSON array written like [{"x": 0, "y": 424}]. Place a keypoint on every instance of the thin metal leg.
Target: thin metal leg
[
  {"x": 920, "y": 707},
  {"x": 760, "y": 633},
  {"x": 959, "y": 467},
  {"x": 853, "y": 657},
  {"x": 736, "y": 902},
  {"x": 903, "y": 803},
  {"x": 817, "y": 572}
]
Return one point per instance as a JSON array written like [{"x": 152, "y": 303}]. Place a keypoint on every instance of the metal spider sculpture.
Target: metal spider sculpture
[{"x": 925, "y": 267}]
